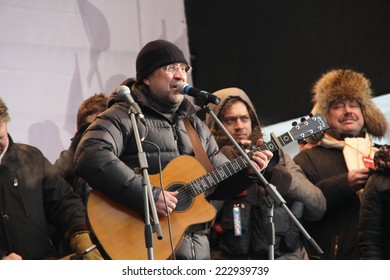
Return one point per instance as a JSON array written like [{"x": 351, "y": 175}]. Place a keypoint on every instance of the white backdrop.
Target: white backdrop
[{"x": 56, "y": 53}]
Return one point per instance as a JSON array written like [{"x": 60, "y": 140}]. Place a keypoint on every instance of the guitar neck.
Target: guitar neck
[
  {"x": 283, "y": 140},
  {"x": 228, "y": 169}
]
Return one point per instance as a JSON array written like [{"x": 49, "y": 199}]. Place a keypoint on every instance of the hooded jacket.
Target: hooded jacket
[{"x": 289, "y": 181}]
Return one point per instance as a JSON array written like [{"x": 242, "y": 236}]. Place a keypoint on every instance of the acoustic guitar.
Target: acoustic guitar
[{"x": 121, "y": 230}]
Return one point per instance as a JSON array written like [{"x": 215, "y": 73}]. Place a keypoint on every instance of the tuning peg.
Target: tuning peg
[
  {"x": 303, "y": 119},
  {"x": 294, "y": 123}
]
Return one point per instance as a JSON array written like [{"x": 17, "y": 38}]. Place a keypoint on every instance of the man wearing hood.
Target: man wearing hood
[
  {"x": 239, "y": 117},
  {"x": 339, "y": 163},
  {"x": 107, "y": 155}
]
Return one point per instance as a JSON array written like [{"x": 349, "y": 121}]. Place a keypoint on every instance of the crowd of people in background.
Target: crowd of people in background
[{"x": 336, "y": 187}]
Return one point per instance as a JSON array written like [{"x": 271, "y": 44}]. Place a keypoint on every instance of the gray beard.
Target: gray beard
[{"x": 162, "y": 105}]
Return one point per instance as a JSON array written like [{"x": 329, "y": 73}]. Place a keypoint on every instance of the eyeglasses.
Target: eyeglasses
[{"x": 173, "y": 68}]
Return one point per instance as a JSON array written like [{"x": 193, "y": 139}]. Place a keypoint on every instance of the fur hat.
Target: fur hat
[
  {"x": 156, "y": 54},
  {"x": 337, "y": 85}
]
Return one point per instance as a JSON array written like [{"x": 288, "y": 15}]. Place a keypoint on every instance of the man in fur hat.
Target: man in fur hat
[{"x": 339, "y": 164}]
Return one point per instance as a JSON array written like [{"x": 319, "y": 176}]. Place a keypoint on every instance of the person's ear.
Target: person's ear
[{"x": 146, "y": 82}]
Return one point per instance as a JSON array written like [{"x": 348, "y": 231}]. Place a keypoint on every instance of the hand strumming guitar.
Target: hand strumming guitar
[{"x": 171, "y": 202}]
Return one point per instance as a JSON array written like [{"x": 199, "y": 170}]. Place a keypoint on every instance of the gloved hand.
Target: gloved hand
[{"x": 81, "y": 241}]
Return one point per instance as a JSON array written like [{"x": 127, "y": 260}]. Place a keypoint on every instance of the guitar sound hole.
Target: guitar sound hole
[{"x": 184, "y": 196}]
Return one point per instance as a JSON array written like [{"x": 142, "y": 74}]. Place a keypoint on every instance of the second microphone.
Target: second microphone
[{"x": 202, "y": 95}]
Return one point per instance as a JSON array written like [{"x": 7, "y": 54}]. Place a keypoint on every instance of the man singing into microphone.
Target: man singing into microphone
[{"x": 107, "y": 154}]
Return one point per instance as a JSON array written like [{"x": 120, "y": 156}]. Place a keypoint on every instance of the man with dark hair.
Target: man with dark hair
[
  {"x": 238, "y": 115},
  {"x": 107, "y": 155},
  {"x": 339, "y": 163}
]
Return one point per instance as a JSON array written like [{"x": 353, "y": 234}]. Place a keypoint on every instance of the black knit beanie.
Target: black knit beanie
[{"x": 156, "y": 54}]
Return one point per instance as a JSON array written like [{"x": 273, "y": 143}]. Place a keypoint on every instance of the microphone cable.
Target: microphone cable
[{"x": 163, "y": 193}]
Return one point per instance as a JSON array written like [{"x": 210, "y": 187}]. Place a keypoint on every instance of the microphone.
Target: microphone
[
  {"x": 124, "y": 93},
  {"x": 205, "y": 96}
]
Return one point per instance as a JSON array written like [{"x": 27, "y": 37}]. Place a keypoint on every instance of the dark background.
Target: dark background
[{"x": 275, "y": 50}]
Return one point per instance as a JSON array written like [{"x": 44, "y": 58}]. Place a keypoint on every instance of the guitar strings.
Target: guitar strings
[{"x": 186, "y": 190}]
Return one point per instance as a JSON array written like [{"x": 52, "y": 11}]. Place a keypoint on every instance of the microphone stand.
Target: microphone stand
[
  {"x": 274, "y": 196},
  {"x": 270, "y": 227},
  {"x": 148, "y": 195}
]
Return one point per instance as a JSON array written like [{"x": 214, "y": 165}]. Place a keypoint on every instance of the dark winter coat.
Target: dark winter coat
[
  {"x": 64, "y": 165},
  {"x": 374, "y": 228},
  {"x": 337, "y": 232},
  {"x": 32, "y": 196},
  {"x": 107, "y": 155}
]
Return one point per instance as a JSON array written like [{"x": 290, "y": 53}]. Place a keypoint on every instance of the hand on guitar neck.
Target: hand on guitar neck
[{"x": 260, "y": 158}]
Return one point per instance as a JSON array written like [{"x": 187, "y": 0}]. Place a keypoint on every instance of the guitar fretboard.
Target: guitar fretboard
[{"x": 228, "y": 169}]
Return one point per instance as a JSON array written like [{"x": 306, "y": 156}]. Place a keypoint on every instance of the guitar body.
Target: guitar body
[{"x": 120, "y": 230}]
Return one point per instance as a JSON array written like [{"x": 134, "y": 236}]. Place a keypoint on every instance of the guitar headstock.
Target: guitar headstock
[{"x": 309, "y": 127}]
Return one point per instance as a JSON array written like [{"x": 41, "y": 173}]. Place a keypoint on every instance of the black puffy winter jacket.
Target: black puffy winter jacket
[{"x": 107, "y": 154}]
